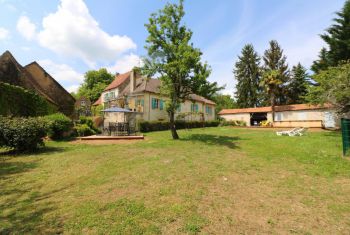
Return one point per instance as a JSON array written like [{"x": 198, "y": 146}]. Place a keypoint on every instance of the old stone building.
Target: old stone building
[{"x": 34, "y": 78}]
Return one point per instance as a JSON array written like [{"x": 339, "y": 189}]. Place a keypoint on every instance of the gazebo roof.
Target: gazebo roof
[{"x": 117, "y": 110}]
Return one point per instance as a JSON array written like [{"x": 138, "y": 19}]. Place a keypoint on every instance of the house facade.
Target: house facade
[
  {"x": 298, "y": 115},
  {"x": 142, "y": 95}
]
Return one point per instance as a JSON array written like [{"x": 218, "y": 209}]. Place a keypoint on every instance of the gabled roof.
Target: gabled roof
[
  {"x": 153, "y": 86},
  {"x": 143, "y": 85},
  {"x": 119, "y": 79},
  {"x": 13, "y": 73},
  {"x": 282, "y": 108},
  {"x": 99, "y": 101},
  {"x": 53, "y": 82}
]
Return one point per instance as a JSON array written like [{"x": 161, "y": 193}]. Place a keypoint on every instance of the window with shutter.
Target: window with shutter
[
  {"x": 179, "y": 108},
  {"x": 155, "y": 103},
  {"x": 161, "y": 104}
]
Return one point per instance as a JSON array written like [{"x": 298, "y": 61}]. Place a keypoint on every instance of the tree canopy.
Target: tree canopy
[
  {"x": 337, "y": 37},
  {"x": 333, "y": 86},
  {"x": 94, "y": 83}
]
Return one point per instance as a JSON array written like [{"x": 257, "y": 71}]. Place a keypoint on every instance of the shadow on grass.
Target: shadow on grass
[
  {"x": 39, "y": 151},
  {"x": 10, "y": 167},
  {"x": 24, "y": 211},
  {"x": 228, "y": 141}
]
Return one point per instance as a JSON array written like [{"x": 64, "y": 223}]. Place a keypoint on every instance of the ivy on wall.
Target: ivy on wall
[{"x": 16, "y": 101}]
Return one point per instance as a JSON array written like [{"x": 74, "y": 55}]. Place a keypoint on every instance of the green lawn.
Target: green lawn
[{"x": 212, "y": 181}]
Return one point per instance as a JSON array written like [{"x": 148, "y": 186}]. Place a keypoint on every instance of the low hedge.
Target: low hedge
[
  {"x": 22, "y": 134},
  {"x": 161, "y": 126},
  {"x": 232, "y": 123},
  {"x": 59, "y": 126}
]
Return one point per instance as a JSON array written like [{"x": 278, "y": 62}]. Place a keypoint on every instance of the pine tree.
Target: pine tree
[
  {"x": 275, "y": 60},
  {"x": 298, "y": 85},
  {"x": 322, "y": 63},
  {"x": 247, "y": 74},
  {"x": 337, "y": 38}
]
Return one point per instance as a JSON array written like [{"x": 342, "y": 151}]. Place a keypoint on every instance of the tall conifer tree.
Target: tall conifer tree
[
  {"x": 337, "y": 38},
  {"x": 298, "y": 85},
  {"x": 274, "y": 59},
  {"x": 247, "y": 74}
]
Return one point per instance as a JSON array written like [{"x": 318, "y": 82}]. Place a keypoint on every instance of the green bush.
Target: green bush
[
  {"x": 161, "y": 126},
  {"x": 59, "y": 125},
  {"x": 232, "y": 123},
  {"x": 22, "y": 134},
  {"x": 83, "y": 130},
  {"x": 18, "y": 102}
]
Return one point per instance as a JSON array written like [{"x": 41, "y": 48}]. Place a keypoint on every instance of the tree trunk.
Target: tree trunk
[
  {"x": 172, "y": 126},
  {"x": 273, "y": 106}
]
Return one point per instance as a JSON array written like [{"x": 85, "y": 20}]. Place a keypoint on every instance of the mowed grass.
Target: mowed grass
[{"x": 212, "y": 181}]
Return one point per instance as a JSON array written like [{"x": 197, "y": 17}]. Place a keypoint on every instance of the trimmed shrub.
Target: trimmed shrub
[
  {"x": 232, "y": 123},
  {"x": 18, "y": 102},
  {"x": 59, "y": 126},
  {"x": 22, "y": 134},
  {"x": 161, "y": 126},
  {"x": 83, "y": 130}
]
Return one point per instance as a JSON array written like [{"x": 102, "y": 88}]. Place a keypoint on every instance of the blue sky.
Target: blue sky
[{"x": 69, "y": 37}]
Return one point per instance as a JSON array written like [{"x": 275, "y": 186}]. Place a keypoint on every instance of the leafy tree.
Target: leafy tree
[
  {"x": 94, "y": 84},
  {"x": 337, "y": 37},
  {"x": 275, "y": 60},
  {"x": 224, "y": 102},
  {"x": 247, "y": 74},
  {"x": 271, "y": 82},
  {"x": 208, "y": 89},
  {"x": 173, "y": 57},
  {"x": 298, "y": 85},
  {"x": 333, "y": 86}
]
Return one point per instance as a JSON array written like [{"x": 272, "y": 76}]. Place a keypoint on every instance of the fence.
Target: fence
[{"x": 345, "y": 127}]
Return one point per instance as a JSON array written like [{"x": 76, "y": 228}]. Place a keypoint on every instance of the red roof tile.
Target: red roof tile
[
  {"x": 292, "y": 107},
  {"x": 119, "y": 79},
  {"x": 98, "y": 102}
]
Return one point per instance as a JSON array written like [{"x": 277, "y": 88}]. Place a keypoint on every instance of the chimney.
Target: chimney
[{"x": 132, "y": 81}]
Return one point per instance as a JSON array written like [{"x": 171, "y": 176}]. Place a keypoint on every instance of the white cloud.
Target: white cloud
[
  {"x": 4, "y": 34},
  {"x": 63, "y": 73},
  {"x": 72, "y": 31},
  {"x": 125, "y": 63},
  {"x": 73, "y": 88},
  {"x": 26, "y": 28}
]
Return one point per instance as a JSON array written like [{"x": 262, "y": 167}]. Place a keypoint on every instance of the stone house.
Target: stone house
[
  {"x": 34, "y": 78},
  {"x": 142, "y": 95}
]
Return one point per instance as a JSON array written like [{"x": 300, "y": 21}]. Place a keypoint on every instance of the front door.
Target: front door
[{"x": 329, "y": 120}]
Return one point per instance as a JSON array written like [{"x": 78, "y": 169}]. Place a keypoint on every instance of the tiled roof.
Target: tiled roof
[
  {"x": 99, "y": 101},
  {"x": 119, "y": 79},
  {"x": 201, "y": 99},
  {"x": 143, "y": 85},
  {"x": 292, "y": 107}
]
